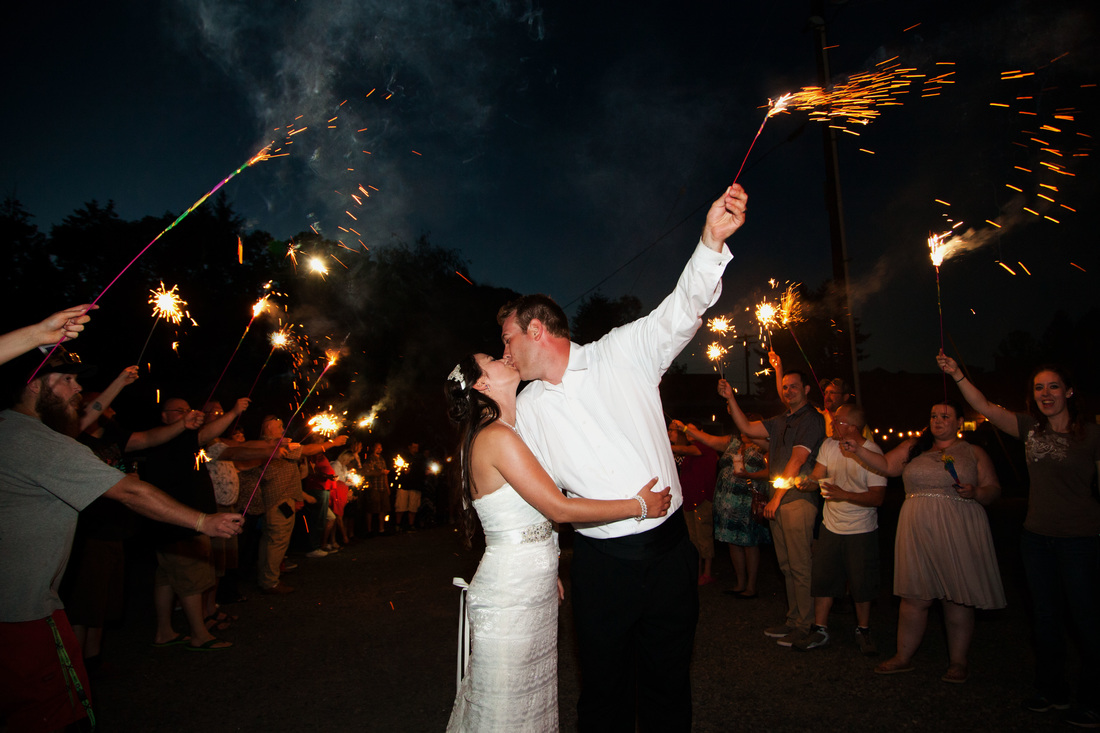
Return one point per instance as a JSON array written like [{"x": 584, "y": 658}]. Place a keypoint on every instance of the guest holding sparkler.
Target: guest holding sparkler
[
  {"x": 741, "y": 465},
  {"x": 61, "y": 326},
  {"x": 511, "y": 681},
  {"x": 185, "y": 564},
  {"x": 794, "y": 438},
  {"x": 279, "y": 490},
  {"x": 1060, "y": 542},
  {"x": 376, "y": 496},
  {"x": 943, "y": 548},
  {"x": 46, "y": 478}
]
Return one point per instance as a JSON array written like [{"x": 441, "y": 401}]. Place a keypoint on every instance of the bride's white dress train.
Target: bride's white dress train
[{"x": 511, "y": 682}]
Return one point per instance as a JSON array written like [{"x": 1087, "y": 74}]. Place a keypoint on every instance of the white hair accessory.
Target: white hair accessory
[{"x": 456, "y": 376}]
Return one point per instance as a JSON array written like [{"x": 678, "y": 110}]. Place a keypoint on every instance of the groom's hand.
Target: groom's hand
[{"x": 725, "y": 217}]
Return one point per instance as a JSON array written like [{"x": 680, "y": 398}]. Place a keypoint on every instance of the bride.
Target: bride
[{"x": 511, "y": 683}]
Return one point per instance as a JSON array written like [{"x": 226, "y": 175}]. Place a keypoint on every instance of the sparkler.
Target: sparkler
[
  {"x": 168, "y": 305},
  {"x": 367, "y": 421},
  {"x": 938, "y": 250},
  {"x": 264, "y": 154},
  {"x": 399, "y": 465},
  {"x": 317, "y": 265},
  {"x": 767, "y": 316},
  {"x": 259, "y": 307},
  {"x": 790, "y": 313},
  {"x": 326, "y": 424},
  {"x": 716, "y": 352},
  {"x": 774, "y": 108},
  {"x": 332, "y": 355}
]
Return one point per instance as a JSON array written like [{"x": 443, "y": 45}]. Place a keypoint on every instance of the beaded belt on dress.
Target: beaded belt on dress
[
  {"x": 936, "y": 495},
  {"x": 526, "y": 536}
]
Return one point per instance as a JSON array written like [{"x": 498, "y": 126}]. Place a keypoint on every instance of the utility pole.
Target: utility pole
[{"x": 832, "y": 196}]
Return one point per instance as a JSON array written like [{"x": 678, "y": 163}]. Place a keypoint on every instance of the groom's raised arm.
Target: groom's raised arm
[{"x": 726, "y": 215}]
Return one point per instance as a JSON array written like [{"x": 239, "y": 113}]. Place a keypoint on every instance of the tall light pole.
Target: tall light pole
[{"x": 832, "y": 196}]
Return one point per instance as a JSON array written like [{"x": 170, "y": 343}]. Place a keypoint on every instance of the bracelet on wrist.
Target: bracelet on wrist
[
  {"x": 198, "y": 524},
  {"x": 960, "y": 379},
  {"x": 641, "y": 503}
]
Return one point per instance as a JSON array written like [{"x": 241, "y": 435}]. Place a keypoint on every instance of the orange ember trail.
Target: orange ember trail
[{"x": 463, "y": 277}]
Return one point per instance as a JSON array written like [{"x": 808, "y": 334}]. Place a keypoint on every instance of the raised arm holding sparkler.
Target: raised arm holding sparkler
[{"x": 61, "y": 326}]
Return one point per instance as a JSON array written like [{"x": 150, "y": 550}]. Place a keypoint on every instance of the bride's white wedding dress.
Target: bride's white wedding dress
[{"x": 511, "y": 682}]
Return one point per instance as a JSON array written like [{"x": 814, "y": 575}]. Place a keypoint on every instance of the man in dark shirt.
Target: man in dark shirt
[{"x": 793, "y": 440}]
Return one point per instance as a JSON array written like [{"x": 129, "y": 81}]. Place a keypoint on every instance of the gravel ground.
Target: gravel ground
[{"x": 368, "y": 641}]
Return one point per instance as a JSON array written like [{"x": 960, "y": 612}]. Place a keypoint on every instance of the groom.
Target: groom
[{"x": 593, "y": 417}]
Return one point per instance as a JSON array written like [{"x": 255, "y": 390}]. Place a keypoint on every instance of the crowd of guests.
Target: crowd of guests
[
  {"x": 810, "y": 481},
  {"x": 75, "y": 480}
]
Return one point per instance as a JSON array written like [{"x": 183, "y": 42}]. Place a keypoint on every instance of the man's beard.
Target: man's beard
[{"x": 57, "y": 414}]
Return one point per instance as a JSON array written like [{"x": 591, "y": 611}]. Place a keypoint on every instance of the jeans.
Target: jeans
[{"x": 1063, "y": 574}]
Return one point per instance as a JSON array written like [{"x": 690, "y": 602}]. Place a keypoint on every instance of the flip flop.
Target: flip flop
[
  {"x": 209, "y": 646},
  {"x": 179, "y": 639}
]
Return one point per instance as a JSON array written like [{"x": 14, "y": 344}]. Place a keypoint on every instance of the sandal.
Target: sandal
[
  {"x": 893, "y": 666},
  {"x": 214, "y": 645}
]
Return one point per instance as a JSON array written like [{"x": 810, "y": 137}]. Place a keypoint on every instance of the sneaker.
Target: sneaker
[
  {"x": 1041, "y": 704},
  {"x": 865, "y": 643},
  {"x": 1083, "y": 718},
  {"x": 317, "y": 553},
  {"x": 818, "y": 636},
  {"x": 777, "y": 632},
  {"x": 330, "y": 549},
  {"x": 288, "y": 566},
  {"x": 792, "y": 638}
]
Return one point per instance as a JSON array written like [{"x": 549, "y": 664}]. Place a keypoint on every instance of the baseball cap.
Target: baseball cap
[{"x": 63, "y": 361}]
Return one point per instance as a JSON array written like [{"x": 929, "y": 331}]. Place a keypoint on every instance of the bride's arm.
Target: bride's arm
[{"x": 499, "y": 447}]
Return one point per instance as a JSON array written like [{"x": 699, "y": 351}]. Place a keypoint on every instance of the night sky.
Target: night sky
[{"x": 550, "y": 143}]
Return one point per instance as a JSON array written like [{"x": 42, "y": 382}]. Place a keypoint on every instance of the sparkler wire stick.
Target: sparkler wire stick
[
  {"x": 257, "y": 309},
  {"x": 147, "y": 339},
  {"x": 260, "y": 156},
  {"x": 939, "y": 305},
  {"x": 775, "y": 107},
  {"x": 802, "y": 351},
  {"x": 286, "y": 427},
  {"x": 746, "y": 158}
]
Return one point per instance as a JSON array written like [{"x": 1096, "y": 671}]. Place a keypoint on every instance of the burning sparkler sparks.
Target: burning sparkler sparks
[
  {"x": 399, "y": 465},
  {"x": 367, "y": 421},
  {"x": 326, "y": 424},
  {"x": 716, "y": 353},
  {"x": 317, "y": 265},
  {"x": 167, "y": 304}
]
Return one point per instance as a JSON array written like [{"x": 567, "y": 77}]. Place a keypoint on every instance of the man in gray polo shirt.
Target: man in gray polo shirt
[{"x": 793, "y": 441}]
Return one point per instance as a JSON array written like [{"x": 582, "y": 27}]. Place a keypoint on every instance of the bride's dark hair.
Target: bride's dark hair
[{"x": 471, "y": 410}]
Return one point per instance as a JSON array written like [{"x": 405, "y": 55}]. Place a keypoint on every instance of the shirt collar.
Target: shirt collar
[{"x": 578, "y": 357}]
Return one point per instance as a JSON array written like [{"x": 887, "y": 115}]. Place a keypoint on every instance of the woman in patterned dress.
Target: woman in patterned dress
[{"x": 742, "y": 471}]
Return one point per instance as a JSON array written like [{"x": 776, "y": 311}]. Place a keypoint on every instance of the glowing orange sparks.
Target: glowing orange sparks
[{"x": 167, "y": 304}]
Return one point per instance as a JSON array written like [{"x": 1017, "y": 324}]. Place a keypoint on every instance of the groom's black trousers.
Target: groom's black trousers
[{"x": 636, "y": 605}]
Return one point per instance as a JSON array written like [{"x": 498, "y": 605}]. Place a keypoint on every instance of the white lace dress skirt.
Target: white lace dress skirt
[{"x": 511, "y": 681}]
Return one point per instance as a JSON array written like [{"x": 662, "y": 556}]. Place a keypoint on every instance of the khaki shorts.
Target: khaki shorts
[
  {"x": 407, "y": 501},
  {"x": 186, "y": 566}
]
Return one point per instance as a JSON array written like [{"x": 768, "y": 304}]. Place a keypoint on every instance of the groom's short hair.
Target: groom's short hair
[{"x": 542, "y": 307}]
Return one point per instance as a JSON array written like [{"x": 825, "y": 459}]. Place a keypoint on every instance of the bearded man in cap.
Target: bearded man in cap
[{"x": 46, "y": 478}]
